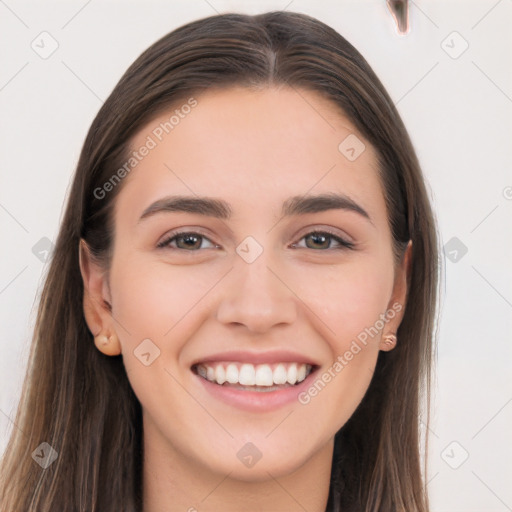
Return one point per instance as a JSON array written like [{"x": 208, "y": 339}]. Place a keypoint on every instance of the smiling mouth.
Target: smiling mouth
[{"x": 250, "y": 377}]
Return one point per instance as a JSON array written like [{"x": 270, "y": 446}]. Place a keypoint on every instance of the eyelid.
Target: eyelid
[
  {"x": 164, "y": 241},
  {"x": 344, "y": 242},
  {"x": 320, "y": 228}
]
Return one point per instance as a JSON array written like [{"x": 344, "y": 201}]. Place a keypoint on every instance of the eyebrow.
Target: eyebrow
[{"x": 218, "y": 208}]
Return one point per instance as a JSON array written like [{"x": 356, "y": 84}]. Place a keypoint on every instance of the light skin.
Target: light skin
[{"x": 254, "y": 150}]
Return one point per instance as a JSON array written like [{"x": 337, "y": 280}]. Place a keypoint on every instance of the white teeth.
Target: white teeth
[
  {"x": 264, "y": 375},
  {"x": 232, "y": 374},
  {"x": 220, "y": 374},
  {"x": 292, "y": 374},
  {"x": 280, "y": 374},
  {"x": 247, "y": 375},
  {"x": 261, "y": 375},
  {"x": 301, "y": 373}
]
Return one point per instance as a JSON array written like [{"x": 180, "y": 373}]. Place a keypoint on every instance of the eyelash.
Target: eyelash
[{"x": 343, "y": 244}]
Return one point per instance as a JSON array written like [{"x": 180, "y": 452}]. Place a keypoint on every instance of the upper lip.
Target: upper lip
[{"x": 269, "y": 357}]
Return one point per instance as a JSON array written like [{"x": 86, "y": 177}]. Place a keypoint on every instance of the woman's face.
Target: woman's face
[{"x": 252, "y": 278}]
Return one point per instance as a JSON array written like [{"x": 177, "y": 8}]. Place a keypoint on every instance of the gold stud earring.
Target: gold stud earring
[
  {"x": 389, "y": 341},
  {"x": 109, "y": 345}
]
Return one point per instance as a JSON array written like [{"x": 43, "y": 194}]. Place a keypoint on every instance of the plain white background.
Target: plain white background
[{"x": 457, "y": 105}]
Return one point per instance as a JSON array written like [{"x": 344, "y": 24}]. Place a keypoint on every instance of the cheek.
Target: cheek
[
  {"x": 150, "y": 298},
  {"x": 349, "y": 299},
  {"x": 350, "y": 302},
  {"x": 161, "y": 303}
]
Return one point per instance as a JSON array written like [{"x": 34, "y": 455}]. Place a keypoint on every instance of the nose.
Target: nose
[{"x": 257, "y": 297}]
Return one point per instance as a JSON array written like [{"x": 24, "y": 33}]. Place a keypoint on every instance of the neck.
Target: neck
[{"x": 174, "y": 483}]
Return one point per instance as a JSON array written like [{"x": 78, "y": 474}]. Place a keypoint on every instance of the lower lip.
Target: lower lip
[{"x": 256, "y": 401}]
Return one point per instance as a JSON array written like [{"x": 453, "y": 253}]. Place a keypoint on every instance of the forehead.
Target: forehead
[{"x": 252, "y": 148}]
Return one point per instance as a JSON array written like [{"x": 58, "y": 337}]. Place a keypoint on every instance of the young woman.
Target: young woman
[{"x": 239, "y": 310}]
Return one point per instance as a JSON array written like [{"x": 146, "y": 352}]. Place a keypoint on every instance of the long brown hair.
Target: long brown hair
[{"x": 80, "y": 402}]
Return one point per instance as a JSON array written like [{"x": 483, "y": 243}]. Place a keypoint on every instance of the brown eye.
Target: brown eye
[
  {"x": 318, "y": 241},
  {"x": 323, "y": 240},
  {"x": 188, "y": 241}
]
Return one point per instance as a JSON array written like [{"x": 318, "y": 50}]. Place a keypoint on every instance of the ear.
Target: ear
[
  {"x": 396, "y": 305},
  {"x": 96, "y": 302}
]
